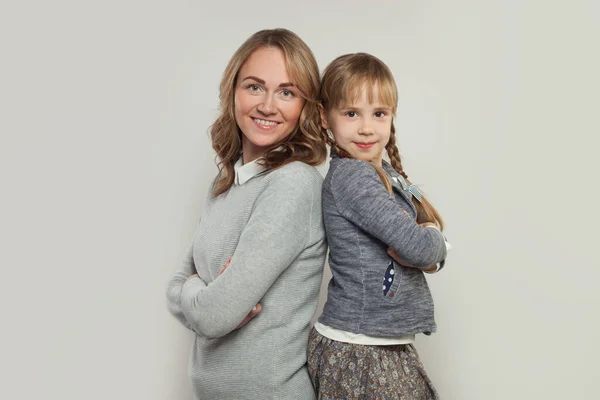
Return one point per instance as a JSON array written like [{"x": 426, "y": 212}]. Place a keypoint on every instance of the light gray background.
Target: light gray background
[{"x": 105, "y": 160}]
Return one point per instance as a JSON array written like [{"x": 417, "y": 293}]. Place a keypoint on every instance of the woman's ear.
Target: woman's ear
[{"x": 322, "y": 112}]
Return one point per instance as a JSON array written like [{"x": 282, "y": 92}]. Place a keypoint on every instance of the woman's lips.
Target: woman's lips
[{"x": 265, "y": 124}]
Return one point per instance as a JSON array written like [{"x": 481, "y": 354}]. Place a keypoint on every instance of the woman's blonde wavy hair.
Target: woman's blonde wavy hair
[
  {"x": 342, "y": 84},
  {"x": 304, "y": 144}
]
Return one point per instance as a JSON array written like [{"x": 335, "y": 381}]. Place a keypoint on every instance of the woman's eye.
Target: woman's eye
[
  {"x": 254, "y": 88},
  {"x": 287, "y": 93}
]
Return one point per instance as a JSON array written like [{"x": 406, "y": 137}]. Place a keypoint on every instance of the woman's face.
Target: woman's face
[{"x": 267, "y": 103}]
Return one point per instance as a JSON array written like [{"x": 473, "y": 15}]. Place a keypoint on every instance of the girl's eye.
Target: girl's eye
[
  {"x": 380, "y": 114},
  {"x": 351, "y": 114}
]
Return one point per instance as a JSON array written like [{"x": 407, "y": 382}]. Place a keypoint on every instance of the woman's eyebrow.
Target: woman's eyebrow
[{"x": 262, "y": 82}]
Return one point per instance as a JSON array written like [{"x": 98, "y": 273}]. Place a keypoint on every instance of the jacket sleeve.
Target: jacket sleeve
[{"x": 361, "y": 198}]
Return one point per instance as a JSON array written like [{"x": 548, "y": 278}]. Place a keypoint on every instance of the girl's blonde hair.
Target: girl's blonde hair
[
  {"x": 305, "y": 144},
  {"x": 342, "y": 85}
]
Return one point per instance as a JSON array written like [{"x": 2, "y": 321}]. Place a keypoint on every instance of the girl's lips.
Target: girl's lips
[{"x": 364, "y": 146}]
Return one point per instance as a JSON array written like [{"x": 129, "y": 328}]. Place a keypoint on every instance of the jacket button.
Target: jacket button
[{"x": 391, "y": 294}]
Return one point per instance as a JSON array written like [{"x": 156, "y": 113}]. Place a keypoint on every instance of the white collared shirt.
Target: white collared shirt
[{"x": 245, "y": 172}]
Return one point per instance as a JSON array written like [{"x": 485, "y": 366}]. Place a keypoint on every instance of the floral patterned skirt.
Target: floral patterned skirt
[{"x": 344, "y": 371}]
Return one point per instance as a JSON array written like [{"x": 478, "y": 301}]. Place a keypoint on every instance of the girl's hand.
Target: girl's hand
[
  {"x": 426, "y": 224},
  {"x": 392, "y": 253},
  {"x": 256, "y": 308}
]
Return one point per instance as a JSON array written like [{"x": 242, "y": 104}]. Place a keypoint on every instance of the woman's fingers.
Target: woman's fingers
[
  {"x": 225, "y": 266},
  {"x": 192, "y": 276},
  {"x": 250, "y": 315}
]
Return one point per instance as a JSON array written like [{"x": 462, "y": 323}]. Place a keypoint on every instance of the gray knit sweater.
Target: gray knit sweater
[
  {"x": 272, "y": 226},
  {"x": 369, "y": 293}
]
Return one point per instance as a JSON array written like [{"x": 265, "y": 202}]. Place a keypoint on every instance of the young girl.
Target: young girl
[{"x": 382, "y": 235}]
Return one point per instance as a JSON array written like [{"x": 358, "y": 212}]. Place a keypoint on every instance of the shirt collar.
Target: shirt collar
[{"x": 245, "y": 172}]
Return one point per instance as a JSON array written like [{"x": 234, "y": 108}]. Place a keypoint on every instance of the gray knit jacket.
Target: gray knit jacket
[{"x": 362, "y": 220}]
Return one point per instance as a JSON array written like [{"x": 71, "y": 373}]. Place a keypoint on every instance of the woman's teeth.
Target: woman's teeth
[{"x": 265, "y": 123}]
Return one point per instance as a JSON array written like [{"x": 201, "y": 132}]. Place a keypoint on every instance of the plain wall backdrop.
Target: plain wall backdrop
[{"x": 105, "y": 161}]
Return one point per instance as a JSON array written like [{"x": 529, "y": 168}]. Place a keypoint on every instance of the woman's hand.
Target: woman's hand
[
  {"x": 192, "y": 276},
  {"x": 257, "y": 308}
]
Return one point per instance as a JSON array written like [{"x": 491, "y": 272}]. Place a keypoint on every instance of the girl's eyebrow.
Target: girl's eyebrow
[
  {"x": 377, "y": 107},
  {"x": 262, "y": 82}
]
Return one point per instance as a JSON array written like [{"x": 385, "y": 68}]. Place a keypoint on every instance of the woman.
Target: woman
[{"x": 260, "y": 237}]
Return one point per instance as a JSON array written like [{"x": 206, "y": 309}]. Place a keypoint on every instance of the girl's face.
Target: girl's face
[
  {"x": 362, "y": 129},
  {"x": 267, "y": 103}
]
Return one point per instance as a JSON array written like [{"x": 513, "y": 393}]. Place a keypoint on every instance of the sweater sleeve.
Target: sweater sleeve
[
  {"x": 276, "y": 233},
  {"x": 361, "y": 198},
  {"x": 175, "y": 286}
]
